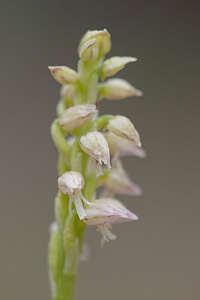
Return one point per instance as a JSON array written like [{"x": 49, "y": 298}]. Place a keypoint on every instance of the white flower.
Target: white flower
[
  {"x": 117, "y": 89},
  {"x": 117, "y": 181},
  {"x": 104, "y": 212},
  {"x": 114, "y": 64},
  {"x": 76, "y": 116},
  {"x": 72, "y": 183},
  {"x": 96, "y": 146},
  {"x": 121, "y": 147},
  {"x": 124, "y": 128}
]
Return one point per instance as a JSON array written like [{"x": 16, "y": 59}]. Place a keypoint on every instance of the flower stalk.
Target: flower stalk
[{"x": 85, "y": 143}]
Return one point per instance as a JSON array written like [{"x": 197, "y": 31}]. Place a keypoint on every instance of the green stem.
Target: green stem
[{"x": 100, "y": 122}]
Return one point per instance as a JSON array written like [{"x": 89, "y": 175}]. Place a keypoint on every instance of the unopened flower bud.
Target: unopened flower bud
[
  {"x": 104, "y": 212},
  {"x": 67, "y": 92},
  {"x": 76, "y": 116},
  {"x": 64, "y": 75},
  {"x": 121, "y": 147},
  {"x": 96, "y": 146},
  {"x": 117, "y": 89},
  {"x": 89, "y": 50},
  {"x": 114, "y": 64},
  {"x": 102, "y": 40},
  {"x": 72, "y": 183},
  {"x": 124, "y": 128},
  {"x": 117, "y": 181}
]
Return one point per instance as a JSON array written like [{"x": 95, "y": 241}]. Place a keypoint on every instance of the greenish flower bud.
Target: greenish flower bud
[
  {"x": 114, "y": 64},
  {"x": 102, "y": 40},
  {"x": 67, "y": 92},
  {"x": 89, "y": 50},
  {"x": 117, "y": 89},
  {"x": 64, "y": 75}
]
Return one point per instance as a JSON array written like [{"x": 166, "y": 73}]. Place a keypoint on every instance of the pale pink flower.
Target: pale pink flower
[
  {"x": 121, "y": 147},
  {"x": 104, "y": 212},
  {"x": 117, "y": 181}
]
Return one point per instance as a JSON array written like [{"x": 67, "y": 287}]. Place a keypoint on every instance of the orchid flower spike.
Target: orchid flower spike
[
  {"x": 72, "y": 183},
  {"x": 96, "y": 146},
  {"x": 106, "y": 211}
]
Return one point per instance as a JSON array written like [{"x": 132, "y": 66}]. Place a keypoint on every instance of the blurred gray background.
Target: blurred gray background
[{"x": 159, "y": 256}]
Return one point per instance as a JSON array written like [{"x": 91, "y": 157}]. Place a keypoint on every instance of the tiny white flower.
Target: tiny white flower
[
  {"x": 117, "y": 89},
  {"x": 114, "y": 64},
  {"x": 64, "y": 75},
  {"x": 76, "y": 116},
  {"x": 72, "y": 183},
  {"x": 96, "y": 146},
  {"x": 104, "y": 212},
  {"x": 121, "y": 147},
  {"x": 124, "y": 128},
  {"x": 117, "y": 181}
]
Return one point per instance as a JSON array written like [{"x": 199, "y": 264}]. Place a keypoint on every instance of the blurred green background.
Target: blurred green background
[{"x": 159, "y": 256}]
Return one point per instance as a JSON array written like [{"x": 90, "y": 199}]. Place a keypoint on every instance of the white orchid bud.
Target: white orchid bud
[
  {"x": 96, "y": 146},
  {"x": 124, "y": 128},
  {"x": 72, "y": 183},
  {"x": 117, "y": 89},
  {"x": 76, "y": 116},
  {"x": 102, "y": 40},
  {"x": 67, "y": 92},
  {"x": 64, "y": 75},
  {"x": 104, "y": 212},
  {"x": 114, "y": 64},
  {"x": 121, "y": 147},
  {"x": 117, "y": 181},
  {"x": 89, "y": 50}
]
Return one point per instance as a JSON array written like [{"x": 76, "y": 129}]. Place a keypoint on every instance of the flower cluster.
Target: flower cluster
[
  {"x": 90, "y": 149},
  {"x": 86, "y": 142}
]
